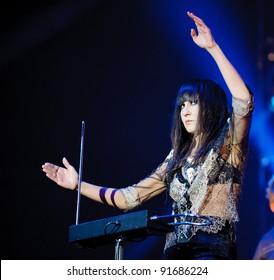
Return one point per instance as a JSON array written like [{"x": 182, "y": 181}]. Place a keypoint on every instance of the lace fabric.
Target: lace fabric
[
  {"x": 243, "y": 107},
  {"x": 131, "y": 197}
]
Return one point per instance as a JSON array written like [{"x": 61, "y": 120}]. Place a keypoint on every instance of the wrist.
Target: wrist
[{"x": 214, "y": 49}]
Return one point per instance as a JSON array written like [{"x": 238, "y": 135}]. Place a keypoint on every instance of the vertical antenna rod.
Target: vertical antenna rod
[{"x": 80, "y": 172}]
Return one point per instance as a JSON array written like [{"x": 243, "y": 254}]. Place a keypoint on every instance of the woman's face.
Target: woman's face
[{"x": 189, "y": 115}]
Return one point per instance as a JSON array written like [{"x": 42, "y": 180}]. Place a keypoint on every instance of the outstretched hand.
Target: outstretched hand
[
  {"x": 65, "y": 177},
  {"x": 203, "y": 38}
]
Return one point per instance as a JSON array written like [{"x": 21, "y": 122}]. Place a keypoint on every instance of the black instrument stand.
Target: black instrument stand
[
  {"x": 117, "y": 230},
  {"x": 119, "y": 249}
]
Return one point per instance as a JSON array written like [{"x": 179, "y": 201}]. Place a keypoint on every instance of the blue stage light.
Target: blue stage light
[{"x": 271, "y": 105}]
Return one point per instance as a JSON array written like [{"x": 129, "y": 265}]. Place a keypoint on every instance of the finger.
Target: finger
[
  {"x": 198, "y": 21},
  {"x": 191, "y": 15},
  {"x": 194, "y": 17},
  {"x": 52, "y": 177},
  {"x": 45, "y": 165},
  {"x": 51, "y": 171},
  {"x": 66, "y": 163},
  {"x": 49, "y": 167}
]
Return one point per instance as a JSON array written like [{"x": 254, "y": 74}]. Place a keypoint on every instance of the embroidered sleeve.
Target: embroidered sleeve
[
  {"x": 243, "y": 107},
  {"x": 131, "y": 197},
  {"x": 131, "y": 194}
]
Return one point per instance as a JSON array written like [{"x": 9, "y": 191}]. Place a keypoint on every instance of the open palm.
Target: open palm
[
  {"x": 204, "y": 38},
  {"x": 65, "y": 177}
]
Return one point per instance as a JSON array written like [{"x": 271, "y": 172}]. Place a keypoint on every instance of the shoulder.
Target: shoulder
[{"x": 170, "y": 155}]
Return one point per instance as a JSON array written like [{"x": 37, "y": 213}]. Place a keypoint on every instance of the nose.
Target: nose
[{"x": 185, "y": 110}]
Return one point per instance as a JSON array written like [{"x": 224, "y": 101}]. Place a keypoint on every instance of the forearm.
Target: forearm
[
  {"x": 111, "y": 196},
  {"x": 234, "y": 82},
  {"x": 125, "y": 198}
]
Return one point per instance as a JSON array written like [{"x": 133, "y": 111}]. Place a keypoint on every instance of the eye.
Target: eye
[{"x": 195, "y": 102}]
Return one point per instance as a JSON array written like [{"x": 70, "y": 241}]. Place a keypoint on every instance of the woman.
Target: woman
[{"x": 204, "y": 170}]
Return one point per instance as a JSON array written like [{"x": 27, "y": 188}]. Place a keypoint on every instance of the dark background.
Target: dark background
[{"x": 117, "y": 65}]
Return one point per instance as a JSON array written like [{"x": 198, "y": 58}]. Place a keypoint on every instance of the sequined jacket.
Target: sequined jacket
[{"x": 213, "y": 189}]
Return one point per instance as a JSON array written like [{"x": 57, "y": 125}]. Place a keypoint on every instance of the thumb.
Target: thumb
[
  {"x": 66, "y": 163},
  {"x": 193, "y": 33}
]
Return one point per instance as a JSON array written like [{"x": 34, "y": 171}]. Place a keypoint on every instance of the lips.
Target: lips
[{"x": 188, "y": 121}]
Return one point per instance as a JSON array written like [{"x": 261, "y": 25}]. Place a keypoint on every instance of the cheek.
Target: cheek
[{"x": 196, "y": 112}]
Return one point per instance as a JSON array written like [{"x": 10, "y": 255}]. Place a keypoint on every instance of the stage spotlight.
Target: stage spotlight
[{"x": 271, "y": 105}]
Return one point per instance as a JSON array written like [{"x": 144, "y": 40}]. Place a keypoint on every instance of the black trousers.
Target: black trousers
[{"x": 204, "y": 246}]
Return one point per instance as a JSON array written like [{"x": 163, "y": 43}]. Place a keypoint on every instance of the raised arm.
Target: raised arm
[
  {"x": 204, "y": 39},
  {"x": 242, "y": 101}
]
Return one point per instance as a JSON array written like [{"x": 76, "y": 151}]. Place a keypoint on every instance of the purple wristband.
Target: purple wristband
[
  {"x": 102, "y": 195},
  {"x": 112, "y": 197}
]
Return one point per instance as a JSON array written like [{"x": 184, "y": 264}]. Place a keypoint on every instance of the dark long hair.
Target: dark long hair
[{"x": 212, "y": 116}]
